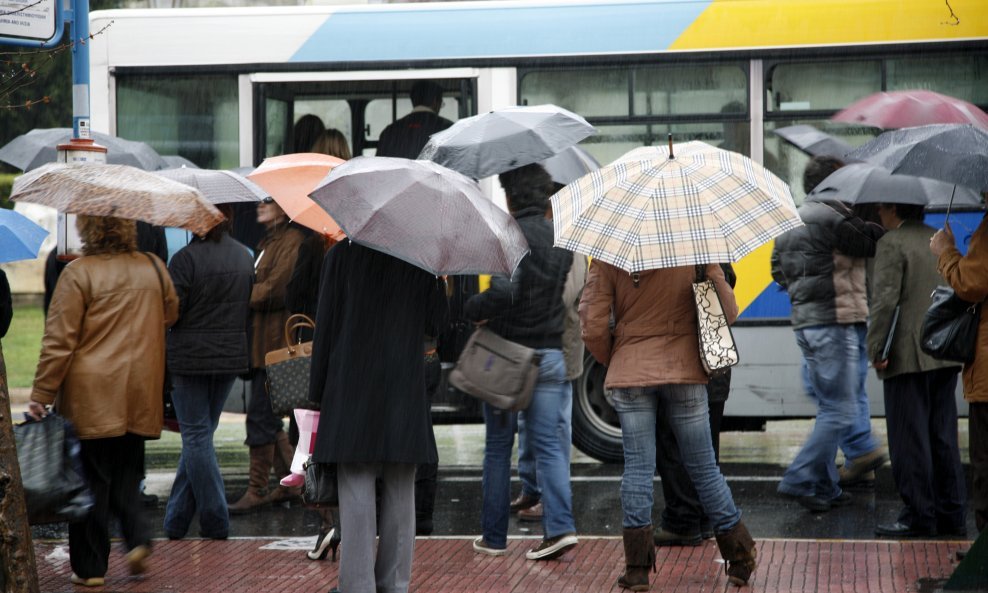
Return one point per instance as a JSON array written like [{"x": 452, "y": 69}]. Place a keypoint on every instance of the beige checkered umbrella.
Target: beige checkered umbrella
[
  {"x": 117, "y": 190},
  {"x": 647, "y": 210}
]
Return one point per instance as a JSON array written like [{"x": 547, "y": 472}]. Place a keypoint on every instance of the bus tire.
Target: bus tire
[{"x": 596, "y": 429}]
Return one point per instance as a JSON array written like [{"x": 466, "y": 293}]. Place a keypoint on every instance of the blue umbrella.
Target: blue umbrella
[{"x": 19, "y": 237}]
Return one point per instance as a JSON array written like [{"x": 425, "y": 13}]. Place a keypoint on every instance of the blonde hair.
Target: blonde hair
[
  {"x": 333, "y": 143},
  {"x": 106, "y": 234}
]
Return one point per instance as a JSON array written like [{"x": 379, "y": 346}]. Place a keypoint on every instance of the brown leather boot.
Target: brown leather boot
[
  {"x": 257, "y": 481},
  {"x": 738, "y": 550},
  {"x": 283, "y": 454},
  {"x": 639, "y": 557}
]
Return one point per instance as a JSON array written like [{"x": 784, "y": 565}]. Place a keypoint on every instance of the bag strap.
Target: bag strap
[
  {"x": 701, "y": 272},
  {"x": 161, "y": 281},
  {"x": 294, "y": 322}
]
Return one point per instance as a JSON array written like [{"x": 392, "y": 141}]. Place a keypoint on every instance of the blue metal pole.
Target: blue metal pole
[{"x": 80, "y": 69}]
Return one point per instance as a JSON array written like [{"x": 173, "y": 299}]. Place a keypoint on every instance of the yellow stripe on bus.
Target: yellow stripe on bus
[
  {"x": 769, "y": 23},
  {"x": 754, "y": 274}
]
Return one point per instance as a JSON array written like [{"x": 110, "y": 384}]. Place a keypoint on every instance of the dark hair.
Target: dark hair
[
  {"x": 216, "y": 233},
  {"x": 427, "y": 93},
  {"x": 818, "y": 169},
  {"x": 307, "y": 130},
  {"x": 527, "y": 187},
  {"x": 908, "y": 211}
]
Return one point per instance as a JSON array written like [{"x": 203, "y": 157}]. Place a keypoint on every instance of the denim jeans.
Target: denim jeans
[
  {"x": 526, "y": 462},
  {"x": 198, "y": 484},
  {"x": 858, "y": 440},
  {"x": 547, "y": 421},
  {"x": 833, "y": 370},
  {"x": 685, "y": 406}
]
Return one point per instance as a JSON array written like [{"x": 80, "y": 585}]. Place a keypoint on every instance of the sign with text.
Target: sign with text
[{"x": 29, "y": 22}]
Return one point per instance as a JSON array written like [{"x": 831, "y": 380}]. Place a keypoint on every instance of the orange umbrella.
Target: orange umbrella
[{"x": 289, "y": 178}]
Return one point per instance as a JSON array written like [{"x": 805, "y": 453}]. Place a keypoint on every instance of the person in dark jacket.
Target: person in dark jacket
[
  {"x": 368, "y": 375},
  {"x": 406, "y": 137},
  {"x": 527, "y": 308},
  {"x": 206, "y": 351},
  {"x": 822, "y": 266}
]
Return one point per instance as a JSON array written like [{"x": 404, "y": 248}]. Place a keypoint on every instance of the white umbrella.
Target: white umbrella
[{"x": 218, "y": 187}]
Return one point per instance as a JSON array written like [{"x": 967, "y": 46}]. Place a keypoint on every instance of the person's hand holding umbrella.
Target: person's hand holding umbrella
[{"x": 942, "y": 240}]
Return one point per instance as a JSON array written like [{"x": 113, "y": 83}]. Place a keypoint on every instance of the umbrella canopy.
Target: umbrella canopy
[
  {"x": 953, "y": 153},
  {"x": 290, "y": 178},
  {"x": 19, "y": 237},
  {"x": 906, "y": 109},
  {"x": 174, "y": 161},
  {"x": 218, "y": 187},
  {"x": 505, "y": 139},
  {"x": 422, "y": 213},
  {"x": 569, "y": 165},
  {"x": 863, "y": 183},
  {"x": 647, "y": 210},
  {"x": 813, "y": 141},
  {"x": 38, "y": 147},
  {"x": 119, "y": 191}
]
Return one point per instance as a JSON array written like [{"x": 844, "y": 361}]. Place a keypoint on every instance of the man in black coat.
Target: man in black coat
[
  {"x": 368, "y": 374},
  {"x": 406, "y": 137}
]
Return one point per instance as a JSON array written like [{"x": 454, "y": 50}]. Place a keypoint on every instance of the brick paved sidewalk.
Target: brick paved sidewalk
[{"x": 450, "y": 565}]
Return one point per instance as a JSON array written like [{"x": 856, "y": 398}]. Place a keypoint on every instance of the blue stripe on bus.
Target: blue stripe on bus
[{"x": 495, "y": 31}]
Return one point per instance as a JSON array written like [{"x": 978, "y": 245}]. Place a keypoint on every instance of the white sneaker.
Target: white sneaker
[{"x": 553, "y": 547}]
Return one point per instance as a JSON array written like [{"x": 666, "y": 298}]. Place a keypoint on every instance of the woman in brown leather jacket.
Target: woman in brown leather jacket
[{"x": 103, "y": 365}]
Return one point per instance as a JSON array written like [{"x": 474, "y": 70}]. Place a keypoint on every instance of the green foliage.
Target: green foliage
[
  {"x": 6, "y": 183},
  {"x": 22, "y": 344}
]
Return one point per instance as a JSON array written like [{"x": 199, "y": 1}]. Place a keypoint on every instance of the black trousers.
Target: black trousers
[
  {"x": 978, "y": 449},
  {"x": 114, "y": 468},
  {"x": 683, "y": 512},
  {"x": 921, "y": 416},
  {"x": 262, "y": 424}
]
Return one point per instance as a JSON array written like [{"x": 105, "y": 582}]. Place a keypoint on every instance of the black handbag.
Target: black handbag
[
  {"x": 950, "y": 327},
  {"x": 320, "y": 488},
  {"x": 55, "y": 488}
]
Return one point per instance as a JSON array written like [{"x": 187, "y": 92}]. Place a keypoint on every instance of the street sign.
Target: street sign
[{"x": 35, "y": 23}]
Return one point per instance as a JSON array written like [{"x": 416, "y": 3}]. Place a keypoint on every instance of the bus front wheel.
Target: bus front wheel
[{"x": 596, "y": 429}]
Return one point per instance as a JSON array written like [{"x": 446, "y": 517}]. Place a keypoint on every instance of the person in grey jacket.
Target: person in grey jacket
[
  {"x": 920, "y": 410},
  {"x": 822, "y": 266},
  {"x": 206, "y": 350}
]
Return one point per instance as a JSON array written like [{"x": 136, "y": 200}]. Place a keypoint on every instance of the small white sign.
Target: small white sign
[{"x": 28, "y": 19}]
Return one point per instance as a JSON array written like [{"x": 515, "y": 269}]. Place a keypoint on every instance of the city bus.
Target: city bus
[{"x": 222, "y": 87}]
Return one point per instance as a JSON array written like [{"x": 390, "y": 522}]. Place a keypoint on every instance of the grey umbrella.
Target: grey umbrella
[
  {"x": 955, "y": 153},
  {"x": 219, "y": 187},
  {"x": 569, "y": 165},
  {"x": 505, "y": 139},
  {"x": 863, "y": 183},
  {"x": 422, "y": 213},
  {"x": 814, "y": 142},
  {"x": 38, "y": 147}
]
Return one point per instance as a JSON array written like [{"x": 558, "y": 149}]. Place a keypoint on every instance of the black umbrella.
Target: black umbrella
[
  {"x": 813, "y": 141},
  {"x": 955, "y": 153},
  {"x": 38, "y": 147},
  {"x": 864, "y": 183}
]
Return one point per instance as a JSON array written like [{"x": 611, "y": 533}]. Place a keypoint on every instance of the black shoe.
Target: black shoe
[
  {"x": 902, "y": 530},
  {"x": 814, "y": 504},
  {"x": 423, "y": 526},
  {"x": 841, "y": 500},
  {"x": 524, "y": 501}
]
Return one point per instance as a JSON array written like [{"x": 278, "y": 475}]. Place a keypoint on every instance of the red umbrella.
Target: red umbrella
[{"x": 906, "y": 109}]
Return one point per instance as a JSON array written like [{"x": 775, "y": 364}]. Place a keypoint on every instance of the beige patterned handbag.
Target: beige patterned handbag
[{"x": 718, "y": 352}]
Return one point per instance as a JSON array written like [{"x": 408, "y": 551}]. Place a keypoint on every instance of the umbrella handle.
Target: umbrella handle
[{"x": 671, "y": 156}]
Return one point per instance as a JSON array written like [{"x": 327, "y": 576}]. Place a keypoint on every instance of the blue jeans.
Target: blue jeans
[
  {"x": 198, "y": 484},
  {"x": 833, "y": 370},
  {"x": 547, "y": 421},
  {"x": 858, "y": 440},
  {"x": 685, "y": 406},
  {"x": 526, "y": 463}
]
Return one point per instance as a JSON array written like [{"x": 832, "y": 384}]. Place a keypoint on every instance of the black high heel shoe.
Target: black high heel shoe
[{"x": 326, "y": 541}]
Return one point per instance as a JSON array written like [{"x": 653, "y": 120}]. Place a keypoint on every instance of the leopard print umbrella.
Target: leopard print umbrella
[{"x": 119, "y": 191}]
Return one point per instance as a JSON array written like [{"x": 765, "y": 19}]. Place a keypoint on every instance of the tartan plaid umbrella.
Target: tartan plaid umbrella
[{"x": 648, "y": 210}]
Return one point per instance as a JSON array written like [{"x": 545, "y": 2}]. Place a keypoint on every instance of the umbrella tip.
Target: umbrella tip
[{"x": 671, "y": 155}]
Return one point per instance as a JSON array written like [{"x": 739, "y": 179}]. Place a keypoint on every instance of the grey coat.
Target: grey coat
[{"x": 905, "y": 274}]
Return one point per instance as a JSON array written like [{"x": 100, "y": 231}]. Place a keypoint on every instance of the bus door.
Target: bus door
[{"x": 360, "y": 105}]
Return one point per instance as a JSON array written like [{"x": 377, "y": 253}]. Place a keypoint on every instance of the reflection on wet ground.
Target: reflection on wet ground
[{"x": 752, "y": 463}]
